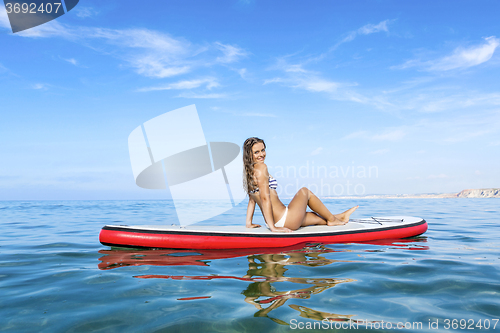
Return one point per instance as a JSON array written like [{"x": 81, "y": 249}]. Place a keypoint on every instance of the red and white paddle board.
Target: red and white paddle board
[{"x": 239, "y": 237}]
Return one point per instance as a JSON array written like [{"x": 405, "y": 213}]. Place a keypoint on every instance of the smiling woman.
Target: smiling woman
[{"x": 261, "y": 189}]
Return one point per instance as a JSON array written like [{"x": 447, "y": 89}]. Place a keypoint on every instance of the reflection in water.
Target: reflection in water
[
  {"x": 120, "y": 257},
  {"x": 193, "y": 298},
  {"x": 264, "y": 295},
  {"x": 265, "y": 271},
  {"x": 309, "y": 313}
]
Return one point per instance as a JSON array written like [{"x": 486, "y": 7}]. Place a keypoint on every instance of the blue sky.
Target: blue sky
[{"x": 352, "y": 97}]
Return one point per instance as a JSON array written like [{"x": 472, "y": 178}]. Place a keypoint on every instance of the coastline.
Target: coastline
[
  {"x": 469, "y": 193},
  {"x": 399, "y": 196}
]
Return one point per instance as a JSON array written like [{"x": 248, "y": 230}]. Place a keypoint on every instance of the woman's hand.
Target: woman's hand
[
  {"x": 252, "y": 225},
  {"x": 281, "y": 229}
]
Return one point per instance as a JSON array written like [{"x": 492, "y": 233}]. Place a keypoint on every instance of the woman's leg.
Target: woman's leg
[{"x": 297, "y": 216}]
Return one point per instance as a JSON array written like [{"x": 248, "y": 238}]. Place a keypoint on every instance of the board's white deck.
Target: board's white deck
[{"x": 353, "y": 225}]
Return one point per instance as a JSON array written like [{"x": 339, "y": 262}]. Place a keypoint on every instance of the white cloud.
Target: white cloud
[
  {"x": 380, "y": 152},
  {"x": 459, "y": 101},
  {"x": 408, "y": 64},
  {"x": 186, "y": 84},
  {"x": 84, "y": 12},
  {"x": 309, "y": 82},
  {"x": 255, "y": 114},
  {"x": 443, "y": 99},
  {"x": 317, "y": 151},
  {"x": 3, "y": 69},
  {"x": 231, "y": 53},
  {"x": 466, "y": 136},
  {"x": 150, "y": 53},
  {"x": 350, "y": 37},
  {"x": 40, "y": 86},
  {"x": 156, "y": 66},
  {"x": 140, "y": 38},
  {"x": 464, "y": 58},
  {"x": 275, "y": 80},
  {"x": 201, "y": 96},
  {"x": 316, "y": 84},
  {"x": 243, "y": 73},
  {"x": 161, "y": 56},
  {"x": 392, "y": 135},
  {"x": 72, "y": 61},
  {"x": 49, "y": 29},
  {"x": 440, "y": 176},
  {"x": 295, "y": 69},
  {"x": 387, "y": 135},
  {"x": 481, "y": 127},
  {"x": 373, "y": 28},
  {"x": 365, "y": 30},
  {"x": 356, "y": 135},
  {"x": 298, "y": 77},
  {"x": 460, "y": 58},
  {"x": 405, "y": 97}
]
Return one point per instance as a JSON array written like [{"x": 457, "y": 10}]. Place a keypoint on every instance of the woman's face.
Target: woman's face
[{"x": 259, "y": 152}]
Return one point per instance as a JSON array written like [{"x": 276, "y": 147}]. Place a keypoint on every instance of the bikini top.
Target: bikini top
[{"x": 273, "y": 184}]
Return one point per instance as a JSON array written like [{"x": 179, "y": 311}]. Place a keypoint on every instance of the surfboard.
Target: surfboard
[{"x": 240, "y": 237}]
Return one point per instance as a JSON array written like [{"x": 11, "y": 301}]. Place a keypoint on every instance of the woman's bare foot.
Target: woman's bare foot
[
  {"x": 342, "y": 218},
  {"x": 335, "y": 221}
]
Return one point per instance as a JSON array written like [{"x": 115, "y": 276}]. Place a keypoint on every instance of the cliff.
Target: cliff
[{"x": 480, "y": 193}]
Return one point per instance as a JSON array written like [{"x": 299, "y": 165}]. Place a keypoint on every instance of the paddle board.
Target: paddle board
[{"x": 240, "y": 237}]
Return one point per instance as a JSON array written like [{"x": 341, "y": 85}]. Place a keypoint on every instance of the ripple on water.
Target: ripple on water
[{"x": 53, "y": 277}]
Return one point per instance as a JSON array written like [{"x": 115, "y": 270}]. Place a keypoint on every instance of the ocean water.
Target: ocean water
[{"x": 55, "y": 276}]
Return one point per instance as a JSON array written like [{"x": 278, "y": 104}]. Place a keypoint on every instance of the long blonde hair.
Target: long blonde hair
[{"x": 248, "y": 163}]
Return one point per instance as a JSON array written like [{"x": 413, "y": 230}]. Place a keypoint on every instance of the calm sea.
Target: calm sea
[{"x": 55, "y": 276}]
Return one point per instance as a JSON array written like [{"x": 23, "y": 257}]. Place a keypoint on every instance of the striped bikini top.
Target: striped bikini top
[{"x": 273, "y": 184}]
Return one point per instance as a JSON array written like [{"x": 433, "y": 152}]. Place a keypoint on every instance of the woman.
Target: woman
[{"x": 261, "y": 189}]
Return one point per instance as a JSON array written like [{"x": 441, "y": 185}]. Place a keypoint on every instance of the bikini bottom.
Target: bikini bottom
[{"x": 281, "y": 222}]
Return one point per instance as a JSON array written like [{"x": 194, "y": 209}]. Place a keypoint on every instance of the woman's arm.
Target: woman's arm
[
  {"x": 265, "y": 197},
  {"x": 250, "y": 211}
]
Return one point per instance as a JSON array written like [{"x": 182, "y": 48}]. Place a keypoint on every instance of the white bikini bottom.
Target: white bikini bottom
[{"x": 281, "y": 222}]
